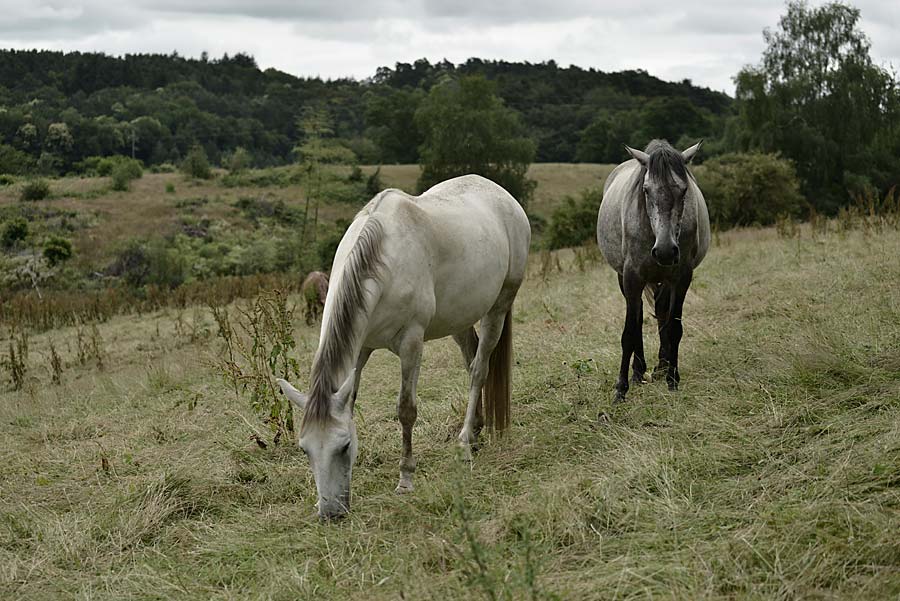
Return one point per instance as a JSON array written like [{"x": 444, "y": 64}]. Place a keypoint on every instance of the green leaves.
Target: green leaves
[{"x": 468, "y": 129}]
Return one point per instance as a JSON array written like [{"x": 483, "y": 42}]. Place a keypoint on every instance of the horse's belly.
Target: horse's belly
[{"x": 461, "y": 298}]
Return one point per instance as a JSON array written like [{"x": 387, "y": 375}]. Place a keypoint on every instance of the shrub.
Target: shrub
[
  {"x": 195, "y": 164},
  {"x": 255, "y": 209},
  {"x": 124, "y": 172},
  {"x": 57, "y": 250},
  {"x": 374, "y": 184},
  {"x": 36, "y": 189},
  {"x": 15, "y": 230},
  {"x": 240, "y": 160},
  {"x": 163, "y": 168},
  {"x": 750, "y": 188},
  {"x": 140, "y": 263},
  {"x": 7, "y": 180},
  {"x": 15, "y": 161},
  {"x": 575, "y": 221},
  {"x": 170, "y": 188}
]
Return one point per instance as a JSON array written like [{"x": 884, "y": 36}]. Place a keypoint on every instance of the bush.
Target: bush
[
  {"x": 140, "y": 263},
  {"x": 15, "y": 161},
  {"x": 163, "y": 168},
  {"x": 7, "y": 180},
  {"x": 170, "y": 188},
  {"x": 575, "y": 221},
  {"x": 195, "y": 164},
  {"x": 124, "y": 172},
  {"x": 750, "y": 188},
  {"x": 36, "y": 189},
  {"x": 14, "y": 231},
  {"x": 255, "y": 209},
  {"x": 374, "y": 184},
  {"x": 57, "y": 250},
  {"x": 240, "y": 160}
]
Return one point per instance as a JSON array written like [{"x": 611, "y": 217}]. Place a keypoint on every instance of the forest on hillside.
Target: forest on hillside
[
  {"x": 815, "y": 99},
  {"x": 56, "y": 109}
]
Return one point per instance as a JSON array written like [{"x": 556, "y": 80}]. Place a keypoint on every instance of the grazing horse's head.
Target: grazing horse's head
[
  {"x": 327, "y": 435},
  {"x": 663, "y": 182}
]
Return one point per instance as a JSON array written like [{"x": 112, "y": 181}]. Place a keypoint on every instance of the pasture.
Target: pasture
[{"x": 773, "y": 473}]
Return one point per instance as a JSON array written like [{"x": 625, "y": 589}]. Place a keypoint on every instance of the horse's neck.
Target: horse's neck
[{"x": 340, "y": 345}]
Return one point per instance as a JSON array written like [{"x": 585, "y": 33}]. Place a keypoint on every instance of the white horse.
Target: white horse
[{"x": 411, "y": 269}]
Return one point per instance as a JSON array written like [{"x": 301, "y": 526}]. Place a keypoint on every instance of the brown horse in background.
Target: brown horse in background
[{"x": 314, "y": 290}]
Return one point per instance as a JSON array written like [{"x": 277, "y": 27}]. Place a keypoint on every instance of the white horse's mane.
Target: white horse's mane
[{"x": 363, "y": 262}]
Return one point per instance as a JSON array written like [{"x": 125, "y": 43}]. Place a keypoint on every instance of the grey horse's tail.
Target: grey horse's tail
[
  {"x": 497, "y": 389},
  {"x": 651, "y": 293}
]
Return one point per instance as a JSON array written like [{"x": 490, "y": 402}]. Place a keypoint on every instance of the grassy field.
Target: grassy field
[
  {"x": 554, "y": 181},
  {"x": 773, "y": 474},
  {"x": 107, "y": 219}
]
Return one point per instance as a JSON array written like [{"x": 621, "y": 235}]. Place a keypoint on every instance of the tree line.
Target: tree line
[
  {"x": 58, "y": 108},
  {"x": 815, "y": 99}
]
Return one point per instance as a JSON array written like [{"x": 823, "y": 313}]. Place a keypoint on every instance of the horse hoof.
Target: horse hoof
[
  {"x": 465, "y": 450},
  {"x": 638, "y": 379},
  {"x": 673, "y": 386},
  {"x": 619, "y": 397},
  {"x": 404, "y": 488}
]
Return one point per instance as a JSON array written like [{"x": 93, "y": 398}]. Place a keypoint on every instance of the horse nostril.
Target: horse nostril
[{"x": 653, "y": 252}]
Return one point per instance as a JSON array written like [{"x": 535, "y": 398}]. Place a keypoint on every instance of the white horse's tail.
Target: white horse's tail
[{"x": 497, "y": 389}]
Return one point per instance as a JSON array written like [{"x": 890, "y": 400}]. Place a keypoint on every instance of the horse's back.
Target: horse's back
[
  {"x": 449, "y": 252},
  {"x": 609, "y": 219}
]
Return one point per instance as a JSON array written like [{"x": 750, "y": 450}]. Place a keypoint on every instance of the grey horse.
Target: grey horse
[{"x": 653, "y": 229}]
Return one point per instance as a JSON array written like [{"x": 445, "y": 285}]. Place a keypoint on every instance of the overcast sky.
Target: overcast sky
[{"x": 706, "y": 41}]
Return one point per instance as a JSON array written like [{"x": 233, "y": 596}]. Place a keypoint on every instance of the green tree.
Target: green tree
[
  {"x": 468, "y": 129},
  {"x": 390, "y": 121},
  {"x": 750, "y": 188},
  {"x": 818, "y": 98},
  {"x": 195, "y": 164},
  {"x": 317, "y": 147}
]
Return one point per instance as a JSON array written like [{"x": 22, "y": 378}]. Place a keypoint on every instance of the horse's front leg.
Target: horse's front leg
[
  {"x": 679, "y": 291},
  {"x": 631, "y": 286},
  {"x": 410, "y": 360}
]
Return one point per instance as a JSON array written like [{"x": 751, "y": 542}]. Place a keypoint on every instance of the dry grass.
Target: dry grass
[
  {"x": 554, "y": 181},
  {"x": 773, "y": 474},
  {"x": 147, "y": 209}
]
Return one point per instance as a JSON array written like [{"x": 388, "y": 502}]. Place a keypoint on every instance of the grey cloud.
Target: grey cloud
[{"x": 704, "y": 40}]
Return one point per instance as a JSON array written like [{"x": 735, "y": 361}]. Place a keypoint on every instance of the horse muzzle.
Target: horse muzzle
[
  {"x": 333, "y": 510},
  {"x": 666, "y": 254}
]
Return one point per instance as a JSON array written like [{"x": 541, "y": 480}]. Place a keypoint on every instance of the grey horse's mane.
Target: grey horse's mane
[
  {"x": 363, "y": 263},
  {"x": 664, "y": 161}
]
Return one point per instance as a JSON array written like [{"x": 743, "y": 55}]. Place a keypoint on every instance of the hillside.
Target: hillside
[
  {"x": 773, "y": 473},
  {"x": 168, "y": 230},
  {"x": 56, "y": 109}
]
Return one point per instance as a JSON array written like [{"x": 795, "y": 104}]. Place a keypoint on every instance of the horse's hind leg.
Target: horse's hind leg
[
  {"x": 468, "y": 344},
  {"x": 410, "y": 360},
  {"x": 491, "y": 329}
]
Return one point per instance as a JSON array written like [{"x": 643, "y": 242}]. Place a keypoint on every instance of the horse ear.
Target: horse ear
[
  {"x": 297, "y": 398},
  {"x": 639, "y": 155},
  {"x": 346, "y": 390},
  {"x": 688, "y": 154}
]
